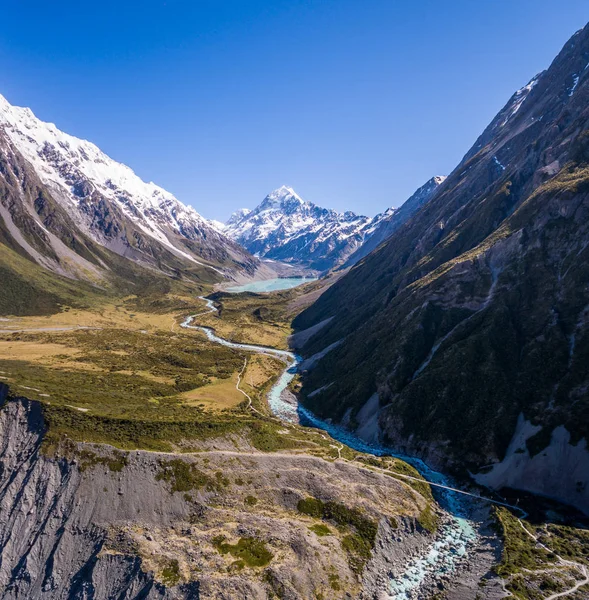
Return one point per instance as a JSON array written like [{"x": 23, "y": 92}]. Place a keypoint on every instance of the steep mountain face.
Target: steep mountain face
[
  {"x": 465, "y": 336},
  {"x": 385, "y": 224},
  {"x": 69, "y": 207},
  {"x": 286, "y": 228}
]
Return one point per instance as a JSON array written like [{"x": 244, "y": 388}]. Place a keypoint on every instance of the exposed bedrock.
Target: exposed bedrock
[{"x": 89, "y": 521}]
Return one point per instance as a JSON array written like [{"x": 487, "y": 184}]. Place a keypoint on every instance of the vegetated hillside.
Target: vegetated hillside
[
  {"x": 471, "y": 321},
  {"x": 67, "y": 207}
]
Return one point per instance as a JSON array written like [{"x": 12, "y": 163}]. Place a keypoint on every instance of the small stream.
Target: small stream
[{"x": 452, "y": 540}]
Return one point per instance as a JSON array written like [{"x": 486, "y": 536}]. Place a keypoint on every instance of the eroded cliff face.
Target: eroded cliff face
[
  {"x": 52, "y": 545},
  {"x": 89, "y": 521}
]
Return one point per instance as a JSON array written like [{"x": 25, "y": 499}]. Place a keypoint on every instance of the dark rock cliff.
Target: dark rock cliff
[{"x": 53, "y": 522}]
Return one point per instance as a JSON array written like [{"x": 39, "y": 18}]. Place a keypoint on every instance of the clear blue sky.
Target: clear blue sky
[{"x": 354, "y": 103}]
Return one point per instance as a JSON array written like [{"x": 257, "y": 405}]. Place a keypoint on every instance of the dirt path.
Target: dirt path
[
  {"x": 564, "y": 563},
  {"x": 249, "y": 399}
]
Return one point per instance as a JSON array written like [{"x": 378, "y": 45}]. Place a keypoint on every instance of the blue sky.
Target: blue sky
[{"x": 353, "y": 103}]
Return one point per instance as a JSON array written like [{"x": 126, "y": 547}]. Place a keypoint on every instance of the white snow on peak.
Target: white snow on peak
[
  {"x": 76, "y": 168},
  {"x": 281, "y": 195},
  {"x": 283, "y": 221},
  {"x": 520, "y": 96},
  {"x": 237, "y": 216},
  {"x": 282, "y": 191},
  {"x": 218, "y": 225}
]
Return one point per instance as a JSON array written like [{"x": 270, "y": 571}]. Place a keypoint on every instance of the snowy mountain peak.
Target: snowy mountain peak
[
  {"x": 237, "y": 216},
  {"x": 80, "y": 176},
  {"x": 285, "y": 227},
  {"x": 283, "y": 191},
  {"x": 280, "y": 197}
]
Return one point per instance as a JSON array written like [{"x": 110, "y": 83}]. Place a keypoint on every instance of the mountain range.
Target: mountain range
[
  {"x": 460, "y": 330},
  {"x": 161, "y": 437},
  {"x": 464, "y": 337},
  {"x": 284, "y": 227},
  {"x": 68, "y": 208}
]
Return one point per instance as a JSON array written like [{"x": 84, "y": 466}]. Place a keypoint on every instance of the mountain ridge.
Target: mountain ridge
[
  {"x": 287, "y": 228},
  {"x": 471, "y": 317},
  {"x": 69, "y": 208}
]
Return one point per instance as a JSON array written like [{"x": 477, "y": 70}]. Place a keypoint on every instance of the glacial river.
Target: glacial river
[{"x": 452, "y": 540}]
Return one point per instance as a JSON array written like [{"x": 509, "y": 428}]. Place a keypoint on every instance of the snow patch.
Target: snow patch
[
  {"x": 498, "y": 163},
  {"x": 520, "y": 96}
]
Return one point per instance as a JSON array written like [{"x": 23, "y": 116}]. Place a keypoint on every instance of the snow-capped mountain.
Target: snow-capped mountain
[
  {"x": 285, "y": 227},
  {"x": 109, "y": 203},
  {"x": 237, "y": 216}
]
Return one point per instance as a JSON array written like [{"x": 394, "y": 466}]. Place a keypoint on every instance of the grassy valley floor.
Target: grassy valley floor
[{"x": 123, "y": 376}]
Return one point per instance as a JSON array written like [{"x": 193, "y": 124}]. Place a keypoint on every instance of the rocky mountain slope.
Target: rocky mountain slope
[
  {"x": 69, "y": 208},
  {"x": 88, "y": 521},
  {"x": 385, "y": 224},
  {"x": 465, "y": 336}
]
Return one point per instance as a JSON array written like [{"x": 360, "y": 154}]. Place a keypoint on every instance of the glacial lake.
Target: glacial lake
[{"x": 271, "y": 285}]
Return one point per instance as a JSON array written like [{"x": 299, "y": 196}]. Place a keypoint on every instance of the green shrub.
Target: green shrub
[
  {"x": 312, "y": 507},
  {"x": 171, "y": 573},
  {"x": 320, "y": 529},
  {"x": 184, "y": 476},
  {"x": 358, "y": 544},
  {"x": 428, "y": 519},
  {"x": 251, "y": 551}
]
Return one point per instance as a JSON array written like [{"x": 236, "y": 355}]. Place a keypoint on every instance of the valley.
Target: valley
[
  {"x": 463, "y": 532},
  {"x": 121, "y": 381},
  {"x": 301, "y": 403},
  {"x": 100, "y": 427}
]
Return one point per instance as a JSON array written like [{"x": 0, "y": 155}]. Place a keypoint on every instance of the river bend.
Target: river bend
[{"x": 453, "y": 540}]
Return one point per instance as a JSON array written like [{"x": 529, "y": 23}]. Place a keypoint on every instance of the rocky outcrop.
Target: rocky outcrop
[{"x": 53, "y": 521}]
